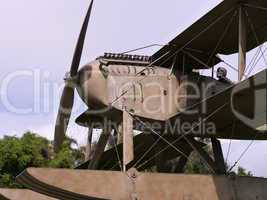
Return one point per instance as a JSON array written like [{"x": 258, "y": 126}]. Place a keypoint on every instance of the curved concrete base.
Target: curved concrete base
[
  {"x": 16, "y": 194},
  {"x": 87, "y": 184}
]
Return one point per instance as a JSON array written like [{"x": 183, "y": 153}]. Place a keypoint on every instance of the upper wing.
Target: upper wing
[{"x": 216, "y": 33}]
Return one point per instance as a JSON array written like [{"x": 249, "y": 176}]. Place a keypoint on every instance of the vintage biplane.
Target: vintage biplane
[{"x": 154, "y": 111}]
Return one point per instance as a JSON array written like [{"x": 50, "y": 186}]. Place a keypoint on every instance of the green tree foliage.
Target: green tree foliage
[
  {"x": 68, "y": 157},
  {"x": 16, "y": 154},
  {"x": 196, "y": 165},
  {"x": 31, "y": 150},
  {"x": 243, "y": 172}
]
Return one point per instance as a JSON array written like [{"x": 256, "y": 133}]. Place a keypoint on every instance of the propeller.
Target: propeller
[{"x": 67, "y": 98}]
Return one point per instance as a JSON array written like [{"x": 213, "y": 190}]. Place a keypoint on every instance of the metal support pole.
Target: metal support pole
[
  {"x": 173, "y": 65},
  {"x": 128, "y": 148},
  {"x": 88, "y": 149},
  {"x": 218, "y": 156},
  {"x": 242, "y": 38},
  {"x": 212, "y": 69},
  {"x": 100, "y": 148},
  {"x": 205, "y": 157},
  {"x": 183, "y": 64}
]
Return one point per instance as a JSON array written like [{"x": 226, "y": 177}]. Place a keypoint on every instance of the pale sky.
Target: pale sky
[{"x": 39, "y": 36}]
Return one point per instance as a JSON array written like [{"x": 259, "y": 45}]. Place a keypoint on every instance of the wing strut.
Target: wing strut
[
  {"x": 128, "y": 153},
  {"x": 242, "y": 37}
]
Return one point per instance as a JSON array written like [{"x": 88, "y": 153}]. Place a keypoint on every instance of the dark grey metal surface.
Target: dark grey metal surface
[{"x": 202, "y": 37}]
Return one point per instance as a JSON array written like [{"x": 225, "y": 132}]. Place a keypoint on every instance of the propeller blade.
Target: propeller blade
[
  {"x": 64, "y": 113},
  {"x": 79, "y": 47},
  {"x": 67, "y": 98}
]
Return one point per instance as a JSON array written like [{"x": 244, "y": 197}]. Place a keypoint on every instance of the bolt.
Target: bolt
[{"x": 134, "y": 175}]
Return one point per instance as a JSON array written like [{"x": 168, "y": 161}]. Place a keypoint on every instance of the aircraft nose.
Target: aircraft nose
[
  {"x": 84, "y": 74},
  {"x": 91, "y": 85}
]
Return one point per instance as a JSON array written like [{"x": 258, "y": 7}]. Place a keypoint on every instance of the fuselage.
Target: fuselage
[{"x": 148, "y": 91}]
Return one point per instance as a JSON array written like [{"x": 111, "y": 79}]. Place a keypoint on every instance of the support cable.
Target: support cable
[
  {"x": 253, "y": 60},
  {"x": 200, "y": 33},
  {"x": 251, "y": 143},
  {"x": 196, "y": 59},
  {"x": 149, "y": 150},
  {"x": 243, "y": 153},
  {"x": 257, "y": 7},
  {"x": 232, "y": 67},
  {"x": 255, "y": 35},
  {"x": 241, "y": 156},
  {"x": 156, "y": 133},
  {"x": 185, "y": 134},
  {"x": 144, "y": 47},
  {"x": 173, "y": 64},
  {"x": 222, "y": 36},
  {"x": 117, "y": 152},
  {"x": 253, "y": 67},
  {"x": 230, "y": 143},
  {"x": 175, "y": 53}
]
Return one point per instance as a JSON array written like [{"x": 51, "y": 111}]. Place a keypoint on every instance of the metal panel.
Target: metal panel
[
  {"x": 86, "y": 184},
  {"x": 22, "y": 194}
]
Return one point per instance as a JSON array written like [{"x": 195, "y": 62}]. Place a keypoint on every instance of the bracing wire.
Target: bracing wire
[
  {"x": 151, "y": 64},
  {"x": 232, "y": 67},
  {"x": 173, "y": 54},
  {"x": 253, "y": 60},
  {"x": 144, "y": 47},
  {"x": 222, "y": 36},
  {"x": 255, "y": 35},
  {"x": 117, "y": 152},
  {"x": 230, "y": 143},
  {"x": 253, "y": 67},
  {"x": 150, "y": 148},
  {"x": 241, "y": 156},
  {"x": 184, "y": 135},
  {"x": 165, "y": 140}
]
